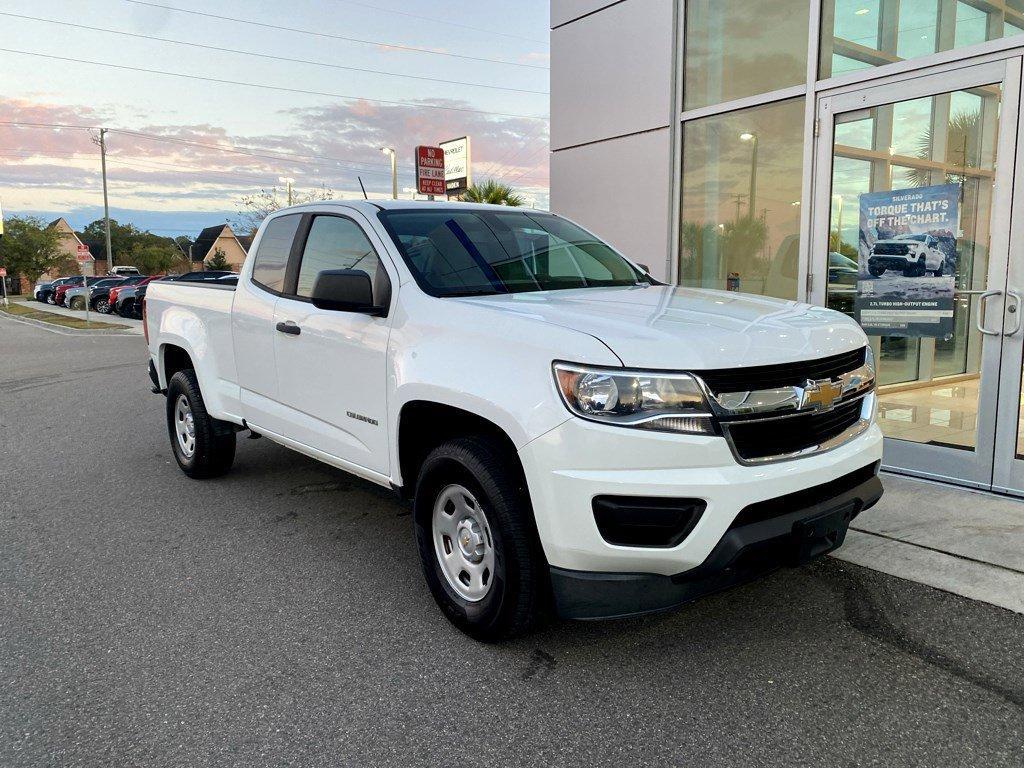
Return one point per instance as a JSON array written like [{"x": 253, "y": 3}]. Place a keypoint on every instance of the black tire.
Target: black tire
[
  {"x": 124, "y": 310},
  {"x": 103, "y": 305},
  {"x": 214, "y": 449},
  {"x": 519, "y": 592},
  {"x": 877, "y": 271},
  {"x": 77, "y": 303},
  {"x": 938, "y": 273}
]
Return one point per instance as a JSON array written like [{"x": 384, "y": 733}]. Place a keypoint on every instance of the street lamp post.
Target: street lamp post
[
  {"x": 752, "y": 138},
  {"x": 394, "y": 170}
]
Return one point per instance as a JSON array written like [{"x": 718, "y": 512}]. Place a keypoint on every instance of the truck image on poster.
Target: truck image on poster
[{"x": 907, "y": 261}]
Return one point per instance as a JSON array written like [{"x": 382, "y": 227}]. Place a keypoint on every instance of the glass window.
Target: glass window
[
  {"x": 742, "y": 177},
  {"x": 462, "y": 253},
  {"x": 858, "y": 34},
  {"x": 336, "y": 243},
  {"x": 738, "y": 48},
  {"x": 272, "y": 256}
]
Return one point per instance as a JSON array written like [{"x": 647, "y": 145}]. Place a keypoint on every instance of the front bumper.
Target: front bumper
[
  {"x": 568, "y": 466},
  {"x": 792, "y": 530}
]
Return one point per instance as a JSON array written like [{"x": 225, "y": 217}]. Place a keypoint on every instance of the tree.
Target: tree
[
  {"x": 219, "y": 261},
  {"x": 494, "y": 192},
  {"x": 253, "y": 209},
  {"x": 154, "y": 258},
  {"x": 963, "y": 132},
  {"x": 29, "y": 248}
]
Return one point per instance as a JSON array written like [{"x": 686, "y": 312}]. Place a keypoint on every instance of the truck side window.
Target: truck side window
[
  {"x": 337, "y": 243},
  {"x": 272, "y": 256}
]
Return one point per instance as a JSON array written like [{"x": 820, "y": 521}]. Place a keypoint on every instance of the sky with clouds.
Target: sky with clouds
[{"x": 183, "y": 149}]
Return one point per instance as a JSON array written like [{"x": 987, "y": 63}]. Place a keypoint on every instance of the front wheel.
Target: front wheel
[
  {"x": 204, "y": 447},
  {"x": 103, "y": 305},
  {"x": 78, "y": 303},
  {"x": 478, "y": 544}
]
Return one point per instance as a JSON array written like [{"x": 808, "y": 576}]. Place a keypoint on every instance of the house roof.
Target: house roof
[
  {"x": 245, "y": 241},
  {"x": 204, "y": 244}
]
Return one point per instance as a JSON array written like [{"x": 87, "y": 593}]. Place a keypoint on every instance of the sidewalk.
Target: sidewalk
[
  {"x": 963, "y": 541},
  {"x": 133, "y": 326}
]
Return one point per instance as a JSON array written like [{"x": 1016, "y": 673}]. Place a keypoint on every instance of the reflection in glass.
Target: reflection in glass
[
  {"x": 928, "y": 387},
  {"x": 737, "y": 48},
  {"x": 859, "y": 34},
  {"x": 741, "y": 184}
]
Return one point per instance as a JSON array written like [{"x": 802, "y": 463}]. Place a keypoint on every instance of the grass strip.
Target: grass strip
[{"x": 31, "y": 313}]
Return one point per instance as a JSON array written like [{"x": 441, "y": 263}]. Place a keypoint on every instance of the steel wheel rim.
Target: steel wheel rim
[
  {"x": 184, "y": 427},
  {"x": 463, "y": 544}
]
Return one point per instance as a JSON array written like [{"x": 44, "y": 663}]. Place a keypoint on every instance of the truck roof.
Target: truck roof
[{"x": 371, "y": 207}]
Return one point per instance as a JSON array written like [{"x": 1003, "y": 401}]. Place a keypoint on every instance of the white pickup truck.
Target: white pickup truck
[{"x": 573, "y": 435}]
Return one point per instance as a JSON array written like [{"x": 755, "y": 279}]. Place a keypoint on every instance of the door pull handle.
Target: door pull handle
[
  {"x": 288, "y": 327},
  {"x": 979, "y": 318}
]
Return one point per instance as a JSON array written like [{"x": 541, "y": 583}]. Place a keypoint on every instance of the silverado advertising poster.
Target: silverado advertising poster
[{"x": 907, "y": 261}]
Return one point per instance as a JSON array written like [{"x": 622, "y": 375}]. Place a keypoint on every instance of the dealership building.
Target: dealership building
[{"x": 732, "y": 144}]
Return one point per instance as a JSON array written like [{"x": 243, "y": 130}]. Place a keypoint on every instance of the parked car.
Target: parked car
[
  {"x": 108, "y": 306},
  {"x": 202, "y": 276},
  {"x": 124, "y": 269},
  {"x": 125, "y": 304},
  {"x": 101, "y": 296},
  {"x": 913, "y": 255},
  {"x": 59, "y": 292},
  {"x": 75, "y": 297},
  {"x": 45, "y": 292},
  {"x": 40, "y": 287},
  {"x": 570, "y": 431}
]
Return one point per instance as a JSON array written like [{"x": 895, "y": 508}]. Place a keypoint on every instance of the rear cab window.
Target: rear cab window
[{"x": 271, "y": 262}]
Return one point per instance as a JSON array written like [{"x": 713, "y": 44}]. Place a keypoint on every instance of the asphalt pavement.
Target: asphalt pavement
[{"x": 278, "y": 616}]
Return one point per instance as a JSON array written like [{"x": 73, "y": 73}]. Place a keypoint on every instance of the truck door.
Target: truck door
[
  {"x": 252, "y": 324},
  {"x": 331, "y": 364}
]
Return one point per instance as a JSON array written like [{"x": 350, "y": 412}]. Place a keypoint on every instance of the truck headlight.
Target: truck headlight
[{"x": 671, "y": 403}]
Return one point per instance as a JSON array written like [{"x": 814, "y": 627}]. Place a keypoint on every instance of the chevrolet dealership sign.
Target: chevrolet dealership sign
[{"x": 457, "y": 165}]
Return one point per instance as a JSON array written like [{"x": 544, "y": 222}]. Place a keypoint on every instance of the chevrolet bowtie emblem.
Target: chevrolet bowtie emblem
[{"x": 821, "y": 394}]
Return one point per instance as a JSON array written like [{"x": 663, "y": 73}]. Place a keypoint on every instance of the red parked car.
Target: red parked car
[{"x": 134, "y": 280}]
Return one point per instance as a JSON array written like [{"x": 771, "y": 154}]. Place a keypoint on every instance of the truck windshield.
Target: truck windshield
[{"x": 474, "y": 252}]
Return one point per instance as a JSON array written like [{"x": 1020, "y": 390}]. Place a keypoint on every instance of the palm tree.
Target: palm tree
[
  {"x": 962, "y": 135},
  {"x": 493, "y": 192}
]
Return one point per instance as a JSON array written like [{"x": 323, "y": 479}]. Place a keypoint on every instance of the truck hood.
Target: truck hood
[{"x": 667, "y": 327}]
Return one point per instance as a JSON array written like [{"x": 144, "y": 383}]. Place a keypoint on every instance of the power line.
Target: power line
[
  {"x": 443, "y": 21},
  {"x": 332, "y": 36},
  {"x": 295, "y": 158},
  {"x": 268, "y": 87},
  {"x": 221, "y": 49}
]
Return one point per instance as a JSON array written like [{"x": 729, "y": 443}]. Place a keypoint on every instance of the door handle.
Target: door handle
[
  {"x": 288, "y": 327},
  {"x": 979, "y": 318},
  {"x": 1016, "y": 310}
]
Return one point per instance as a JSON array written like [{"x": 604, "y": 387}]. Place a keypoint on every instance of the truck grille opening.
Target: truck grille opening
[
  {"x": 895, "y": 249},
  {"x": 763, "y": 439},
  {"x": 782, "y": 374}
]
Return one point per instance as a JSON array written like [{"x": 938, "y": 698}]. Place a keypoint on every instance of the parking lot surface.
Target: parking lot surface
[{"x": 278, "y": 616}]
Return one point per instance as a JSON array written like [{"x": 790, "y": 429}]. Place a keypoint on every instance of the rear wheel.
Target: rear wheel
[
  {"x": 478, "y": 545},
  {"x": 77, "y": 303},
  {"x": 204, "y": 447},
  {"x": 103, "y": 305}
]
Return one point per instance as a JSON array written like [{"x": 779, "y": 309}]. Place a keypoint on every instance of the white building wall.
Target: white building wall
[{"x": 611, "y": 140}]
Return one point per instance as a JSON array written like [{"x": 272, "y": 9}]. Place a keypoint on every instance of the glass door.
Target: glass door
[{"x": 911, "y": 235}]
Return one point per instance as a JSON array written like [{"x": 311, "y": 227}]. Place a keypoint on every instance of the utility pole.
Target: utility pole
[
  {"x": 289, "y": 181},
  {"x": 394, "y": 170},
  {"x": 106, "y": 204}
]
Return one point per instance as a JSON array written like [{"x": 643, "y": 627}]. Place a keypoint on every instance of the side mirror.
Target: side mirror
[{"x": 348, "y": 290}]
